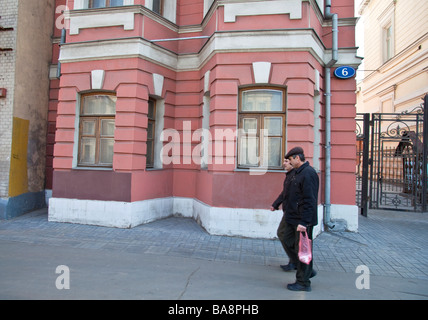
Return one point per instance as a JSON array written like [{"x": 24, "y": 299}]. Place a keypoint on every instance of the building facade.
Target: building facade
[
  {"x": 187, "y": 107},
  {"x": 391, "y": 87},
  {"x": 395, "y": 76}
]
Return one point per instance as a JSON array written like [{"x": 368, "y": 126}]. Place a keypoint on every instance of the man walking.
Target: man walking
[
  {"x": 300, "y": 208},
  {"x": 282, "y": 228}
]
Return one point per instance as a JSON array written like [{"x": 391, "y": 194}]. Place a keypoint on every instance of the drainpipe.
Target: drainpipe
[
  {"x": 62, "y": 41},
  {"x": 327, "y": 206}
]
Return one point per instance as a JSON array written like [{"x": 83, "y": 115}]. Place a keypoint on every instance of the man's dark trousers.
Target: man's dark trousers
[
  {"x": 291, "y": 241},
  {"x": 284, "y": 232}
]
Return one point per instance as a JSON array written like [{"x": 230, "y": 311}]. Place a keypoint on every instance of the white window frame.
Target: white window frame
[
  {"x": 169, "y": 10},
  {"x": 77, "y": 122},
  {"x": 259, "y": 135},
  {"x": 387, "y": 21},
  {"x": 84, "y": 4}
]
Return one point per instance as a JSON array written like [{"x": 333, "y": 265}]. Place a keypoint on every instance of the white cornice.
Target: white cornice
[{"x": 220, "y": 42}]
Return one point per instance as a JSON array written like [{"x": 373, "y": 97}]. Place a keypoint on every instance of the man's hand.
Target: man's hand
[
  {"x": 301, "y": 228},
  {"x": 272, "y": 209}
]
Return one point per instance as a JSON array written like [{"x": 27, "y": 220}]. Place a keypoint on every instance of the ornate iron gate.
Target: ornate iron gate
[{"x": 392, "y": 160}]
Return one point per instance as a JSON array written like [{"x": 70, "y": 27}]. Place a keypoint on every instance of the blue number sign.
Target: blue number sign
[{"x": 344, "y": 72}]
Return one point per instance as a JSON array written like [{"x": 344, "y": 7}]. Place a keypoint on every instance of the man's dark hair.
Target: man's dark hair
[{"x": 301, "y": 156}]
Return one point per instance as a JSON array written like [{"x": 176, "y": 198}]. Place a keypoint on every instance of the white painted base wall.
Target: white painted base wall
[
  {"x": 346, "y": 213},
  {"x": 252, "y": 223}
]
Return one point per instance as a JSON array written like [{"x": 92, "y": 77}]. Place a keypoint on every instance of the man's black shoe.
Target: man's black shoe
[
  {"x": 298, "y": 287},
  {"x": 289, "y": 267}
]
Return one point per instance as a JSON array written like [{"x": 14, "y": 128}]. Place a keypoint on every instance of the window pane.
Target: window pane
[
  {"x": 107, "y": 127},
  {"x": 149, "y": 156},
  {"x": 99, "y": 104},
  {"x": 150, "y": 130},
  {"x": 249, "y": 151},
  {"x": 249, "y": 125},
  {"x": 272, "y": 152},
  {"x": 106, "y": 151},
  {"x": 151, "y": 114},
  {"x": 389, "y": 43},
  {"x": 98, "y": 3},
  {"x": 273, "y": 125},
  {"x": 262, "y": 100},
  {"x": 157, "y": 6},
  {"x": 87, "y": 152},
  {"x": 116, "y": 3},
  {"x": 88, "y": 128}
]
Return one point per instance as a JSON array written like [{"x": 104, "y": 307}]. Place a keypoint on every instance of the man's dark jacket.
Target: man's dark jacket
[
  {"x": 301, "y": 199},
  {"x": 281, "y": 198}
]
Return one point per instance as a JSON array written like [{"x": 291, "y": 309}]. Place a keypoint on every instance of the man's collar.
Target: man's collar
[{"x": 299, "y": 169}]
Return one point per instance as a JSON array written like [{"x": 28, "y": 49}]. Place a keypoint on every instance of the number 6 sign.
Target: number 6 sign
[{"x": 344, "y": 72}]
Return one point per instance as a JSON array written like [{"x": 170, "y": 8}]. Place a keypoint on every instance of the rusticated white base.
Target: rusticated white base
[{"x": 252, "y": 223}]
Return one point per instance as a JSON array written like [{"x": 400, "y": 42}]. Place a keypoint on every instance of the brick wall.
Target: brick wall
[{"x": 8, "y": 19}]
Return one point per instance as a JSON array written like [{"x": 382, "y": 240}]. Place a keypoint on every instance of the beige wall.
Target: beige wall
[
  {"x": 399, "y": 83},
  {"x": 33, "y": 56}
]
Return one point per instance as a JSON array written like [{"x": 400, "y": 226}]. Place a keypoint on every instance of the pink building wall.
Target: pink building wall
[{"x": 221, "y": 185}]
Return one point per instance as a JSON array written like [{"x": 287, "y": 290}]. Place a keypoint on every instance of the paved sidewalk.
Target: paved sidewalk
[{"x": 175, "y": 258}]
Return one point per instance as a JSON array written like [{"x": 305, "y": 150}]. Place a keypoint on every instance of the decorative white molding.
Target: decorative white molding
[
  {"x": 82, "y": 21},
  {"x": 53, "y": 71},
  {"x": 158, "y": 84},
  {"x": 291, "y": 40},
  {"x": 261, "y": 72},
  {"x": 207, "y": 81},
  {"x": 317, "y": 87},
  {"x": 97, "y": 79},
  {"x": 293, "y": 7}
]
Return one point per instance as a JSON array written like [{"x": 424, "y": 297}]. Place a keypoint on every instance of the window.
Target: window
[
  {"x": 386, "y": 21},
  {"x": 158, "y": 6},
  {"x": 105, "y": 3},
  {"x": 151, "y": 133},
  {"x": 262, "y": 128},
  {"x": 388, "y": 43},
  {"x": 96, "y": 133}
]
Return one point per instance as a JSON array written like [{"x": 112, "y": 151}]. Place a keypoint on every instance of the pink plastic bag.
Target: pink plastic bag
[{"x": 305, "y": 248}]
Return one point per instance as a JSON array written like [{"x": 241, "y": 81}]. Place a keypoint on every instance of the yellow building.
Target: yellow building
[{"x": 395, "y": 71}]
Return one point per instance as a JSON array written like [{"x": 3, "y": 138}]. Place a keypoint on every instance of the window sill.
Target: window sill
[
  {"x": 154, "y": 169},
  {"x": 94, "y": 168},
  {"x": 259, "y": 170}
]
